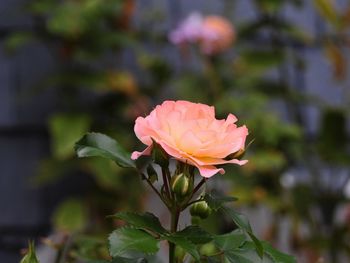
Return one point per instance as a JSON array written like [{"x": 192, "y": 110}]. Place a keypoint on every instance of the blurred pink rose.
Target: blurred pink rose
[
  {"x": 217, "y": 36},
  {"x": 190, "y": 133},
  {"x": 213, "y": 34}
]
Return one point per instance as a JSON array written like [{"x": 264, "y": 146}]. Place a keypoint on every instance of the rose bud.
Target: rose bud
[
  {"x": 30, "y": 257},
  {"x": 180, "y": 253},
  {"x": 200, "y": 209},
  {"x": 180, "y": 185}
]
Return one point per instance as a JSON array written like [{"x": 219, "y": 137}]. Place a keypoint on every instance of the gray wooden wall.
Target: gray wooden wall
[{"x": 24, "y": 209}]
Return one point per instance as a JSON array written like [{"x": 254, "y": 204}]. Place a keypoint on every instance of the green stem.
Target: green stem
[
  {"x": 143, "y": 177},
  {"x": 199, "y": 185},
  {"x": 166, "y": 183},
  {"x": 175, "y": 213},
  {"x": 155, "y": 190},
  {"x": 168, "y": 176}
]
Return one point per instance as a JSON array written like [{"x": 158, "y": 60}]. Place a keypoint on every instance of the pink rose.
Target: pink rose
[
  {"x": 213, "y": 34},
  {"x": 217, "y": 35},
  {"x": 190, "y": 133},
  {"x": 188, "y": 31}
]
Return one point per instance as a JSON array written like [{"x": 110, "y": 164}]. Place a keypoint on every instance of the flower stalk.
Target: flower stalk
[
  {"x": 175, "y": 214},
  {"x": 178, "y": 205},
  {"x": 198, "y": 148}
]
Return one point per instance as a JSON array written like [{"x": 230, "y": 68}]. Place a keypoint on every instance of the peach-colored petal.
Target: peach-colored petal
[
  {"x": 209, "y": 171},
  {"x": 216, "y": 161},
  {"x": 135, "y": 155},
  {"x": 189, "y": 142},
  {"x": 171, "y": 150}
]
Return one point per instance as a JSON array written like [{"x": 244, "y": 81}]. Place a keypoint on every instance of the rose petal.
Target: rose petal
[
  {"x": 216, "y": 161},
  {"x": 135, "y": 155},
  {"x": 209, "y": 171}
]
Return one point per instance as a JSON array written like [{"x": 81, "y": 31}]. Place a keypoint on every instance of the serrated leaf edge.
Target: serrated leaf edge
[{"x": 130, "y": 227}]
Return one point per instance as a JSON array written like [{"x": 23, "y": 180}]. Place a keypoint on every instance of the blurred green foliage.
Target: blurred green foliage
[
  {"x": 97, "y": 92},
  {"x": 70, "y": 216},
  {"x": 65, "y": 130}
]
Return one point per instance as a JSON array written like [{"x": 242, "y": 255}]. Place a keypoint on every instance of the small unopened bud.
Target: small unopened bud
[
  {"x": 30, "y": 257},
  {"x": 180, "y": 185},
  {"x": 208, "y": 249},
  {"x": 200, "y": 209},
  {"x": 159, "y": 156},
  {"x": 180, "y": 253}
]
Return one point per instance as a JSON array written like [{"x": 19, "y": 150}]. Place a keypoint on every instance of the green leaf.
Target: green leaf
[
  {"x": 184, "y": 243},
  {"x": 70, "y": 216},
  {"x": 216, "y": 202},
  {"x": 240, "y": 220},
  {"x": 152, "y": 174},
  {"x": 195, "y": 234},
  {"x": 230, "y": 241},
  {"x": 65, "y": 130},
  {"x": 30, "y": 257},
  {"x": 146, "y": 221},
  {"x": 243, "y": 223},
  {"x": 97, "y": 144},
  {"x": 213, "y": 259},
  {"x": 247, "y": 254},
  {"x": 276, "y": 255},
  {"x": 129, "y": 260},
  {"x": 128, "y": 239},
  {"x": 238, "y": 258},
  {"x": 120, "y": 260},
  {"x": 186, "y": 239},
  {"x": 258, "y": 245},
  {"x": 244, "y": 256},
  {"x": 159, "y": 156}
]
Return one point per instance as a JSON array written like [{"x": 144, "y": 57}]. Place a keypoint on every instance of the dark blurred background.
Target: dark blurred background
[{"x": 68, "y": 67}]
